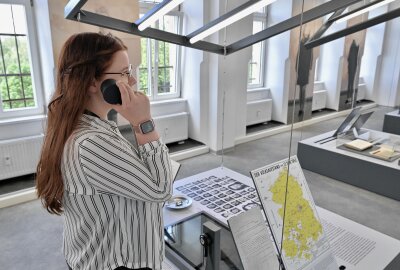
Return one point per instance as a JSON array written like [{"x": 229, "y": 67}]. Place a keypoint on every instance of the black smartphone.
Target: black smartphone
[{"x": 110, "y": 91}]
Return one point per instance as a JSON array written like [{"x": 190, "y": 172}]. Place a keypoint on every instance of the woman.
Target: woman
[{"x": 111, "y": 195}]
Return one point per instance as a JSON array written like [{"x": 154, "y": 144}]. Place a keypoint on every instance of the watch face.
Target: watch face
[{"x": 147, "y": 127}]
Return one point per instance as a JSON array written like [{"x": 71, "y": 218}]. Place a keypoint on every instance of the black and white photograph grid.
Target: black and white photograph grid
[{"x": 223, "y": 195}]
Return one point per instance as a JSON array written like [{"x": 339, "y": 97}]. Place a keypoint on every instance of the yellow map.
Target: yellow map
[{"x": 302, "y": 229}]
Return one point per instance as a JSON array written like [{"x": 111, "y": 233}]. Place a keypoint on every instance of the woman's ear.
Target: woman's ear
[{"x": 94, "y": 86}]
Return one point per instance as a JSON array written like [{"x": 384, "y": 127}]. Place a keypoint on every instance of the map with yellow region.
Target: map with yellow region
[{"x": 284, "y": 192}]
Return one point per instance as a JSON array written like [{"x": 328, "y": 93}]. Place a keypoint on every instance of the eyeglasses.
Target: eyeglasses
[{"x": 128, "y": 73}]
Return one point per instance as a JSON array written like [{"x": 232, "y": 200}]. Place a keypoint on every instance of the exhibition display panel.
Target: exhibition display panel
[
  {"x": 354, "y": 246},
  {"x": 356, "y": 167}
]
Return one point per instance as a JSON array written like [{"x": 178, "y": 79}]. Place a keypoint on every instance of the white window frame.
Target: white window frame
[
  {"x": 35, "y": 66},
  {"x": 153, "y": 80},
  {"x": 263, "y": 18}
]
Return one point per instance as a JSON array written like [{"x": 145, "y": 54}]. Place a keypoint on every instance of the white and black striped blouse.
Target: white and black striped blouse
[{"x": 113, "y": 198}]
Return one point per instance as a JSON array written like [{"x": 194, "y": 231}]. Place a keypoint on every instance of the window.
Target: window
[
  {"x": 18, "y": 96},
  {"x": 159, "y": 68},
  {"x": 256, "y": 64}
]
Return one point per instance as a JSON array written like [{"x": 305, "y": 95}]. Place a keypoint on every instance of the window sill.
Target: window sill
[
  {"x": 257, "y": 89},
  {"x": 25, "y": 119},
  {"x": 168, "y": 101}
]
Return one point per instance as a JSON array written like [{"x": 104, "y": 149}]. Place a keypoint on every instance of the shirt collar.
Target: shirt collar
[{"x": 94, "y": 120}]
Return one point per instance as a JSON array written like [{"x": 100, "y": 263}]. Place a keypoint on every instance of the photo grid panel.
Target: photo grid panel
[{"x": 224, "y": 196}]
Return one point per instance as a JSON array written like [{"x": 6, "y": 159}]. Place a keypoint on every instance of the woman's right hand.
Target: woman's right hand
[{"x": 135, "y": 105}]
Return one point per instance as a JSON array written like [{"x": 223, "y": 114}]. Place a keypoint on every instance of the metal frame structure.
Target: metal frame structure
[
  {"x": 318, "y": 40},
  {"x": 73, "y": 11}
]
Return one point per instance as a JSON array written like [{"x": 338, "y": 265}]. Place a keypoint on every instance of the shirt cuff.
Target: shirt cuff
[{"x": 150, "y": 146}]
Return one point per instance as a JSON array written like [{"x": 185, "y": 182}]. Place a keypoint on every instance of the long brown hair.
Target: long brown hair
[{"x": 84, "y": 57}]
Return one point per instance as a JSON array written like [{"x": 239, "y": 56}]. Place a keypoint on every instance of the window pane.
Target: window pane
[
  {"x": 19, "y": 19},
  {"x": 10, "y": 54},
  {"x": 7, "y": 14},
  {"x": 24, "y": 55},
  {"x": 15, "y": 87},
  {"x": 255, "y": 65},
  {"x": 28, "y": 91},
  {"x": 3, "y": 90},
  {"x": 15, "y": 71},
  {"x": 143, "y": 73},
  {"x": 6, "y": 25},
  {"x": 17, "y": 104},
  {"x": 166, "y": 69},
  {"x": 157, "y": 71},
  {"x": 2, "y": 72},
  {"x": 167, "y": 58}
]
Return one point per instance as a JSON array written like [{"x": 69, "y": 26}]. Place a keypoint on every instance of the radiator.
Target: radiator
[
  {"x": 259, "y": 111},
  {"x": 319, "y": 100},
  {"x": 19, "y": 156},
  {"x": 172, "y": 127},
  {"x": 362, "y": 91}
]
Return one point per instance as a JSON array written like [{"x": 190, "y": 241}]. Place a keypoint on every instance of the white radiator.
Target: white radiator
[
  {"x": 319, "y": 100},
  {"x": 259, "y": 111},
  {"x": 172, "y": 127},
  {"x": 362, "y": 91},
  {"x": 19, "y": 156}
]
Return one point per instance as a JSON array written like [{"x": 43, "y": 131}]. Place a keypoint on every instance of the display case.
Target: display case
[
  {"x": 184, "y": 239},
  {"x": 370, "y": 143}
]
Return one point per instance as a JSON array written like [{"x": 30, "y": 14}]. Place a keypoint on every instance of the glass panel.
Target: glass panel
[
  {"x": 24, "y": 55},
  {"x": 152, "y": 65},
  {"x": 15, "y": 87},
  {"x": 27, "y": 81},
  {"x": 10, "y": 55},
  {"x": 143, "y": 70},
  {"x": 6, "y": 25},
  {"x": 17, "y": 104},
  {"x": 1, "y": 62},
  {"x": 165, "y": 68},
  {"x": 167, "y": 58},
  {"x": 3, "y": 90},
  {"x": 19, "y": 19},
  {"x": 256, "y": 58},
  {"x": 30, "y": 103},
  {"x": 183, "y": 238},
  {"x": 169, "y": 24}
]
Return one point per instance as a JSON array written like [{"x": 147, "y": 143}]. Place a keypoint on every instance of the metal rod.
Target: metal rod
[
  {"x": 152, "y": 11},
  {"x": 355, "y": 28},
  {"x": 337, "y": 17},
  {"x": 72, "y": 8},
  {"x": 223, "y": 17},
  {"x": 326, "y": 25},
  {"x": 131, "y": 28},
  {"x": 288, "y": 24}
]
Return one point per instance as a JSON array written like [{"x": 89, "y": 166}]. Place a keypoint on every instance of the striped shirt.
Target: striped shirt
[{"x": 113, "y": 198}]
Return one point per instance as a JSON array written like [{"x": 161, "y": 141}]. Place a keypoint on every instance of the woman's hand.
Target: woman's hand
[{"x": 135, "y": 105}]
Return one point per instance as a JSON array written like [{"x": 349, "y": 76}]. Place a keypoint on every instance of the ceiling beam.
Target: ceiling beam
[
  {"x": 132, "y": 28},
  {"x": 354, "y": 28},
  {"x": 289, "y": 24}
]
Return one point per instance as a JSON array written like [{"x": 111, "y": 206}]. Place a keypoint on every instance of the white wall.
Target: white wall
[
  {"x": 388, "y": 78},
  {"x": 278, "y": 62},
  {"x": 214, "y": 85},
  {"x": 371, "y": 60},
  {"x": 194, "y": 70},
  {"x": 330, "y": 65}
]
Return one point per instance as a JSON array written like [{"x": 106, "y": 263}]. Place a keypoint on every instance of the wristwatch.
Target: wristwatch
[{"x": 144, "y": 127}]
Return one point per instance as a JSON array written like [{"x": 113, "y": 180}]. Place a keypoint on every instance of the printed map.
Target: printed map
[{"x": 304, "y": 243}]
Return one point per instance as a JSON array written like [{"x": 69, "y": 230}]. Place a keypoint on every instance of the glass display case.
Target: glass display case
[{"x": 184, "y": 239}]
